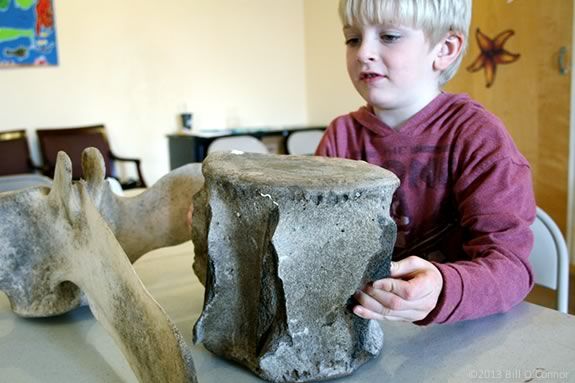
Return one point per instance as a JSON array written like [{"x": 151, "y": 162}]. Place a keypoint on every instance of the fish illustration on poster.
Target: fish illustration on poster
[
  {"x": 492, "y": 53},
  {"x": 27, "y": 33}
]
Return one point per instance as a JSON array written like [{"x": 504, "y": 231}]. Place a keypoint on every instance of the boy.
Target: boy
[{"x": 465, "y": 203}]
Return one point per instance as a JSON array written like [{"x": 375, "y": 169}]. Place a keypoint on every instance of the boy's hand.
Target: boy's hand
[{"x": 409, "y": 295}]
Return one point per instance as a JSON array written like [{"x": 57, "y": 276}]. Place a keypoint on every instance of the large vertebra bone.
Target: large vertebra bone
[
  {"x": 55, "y": 242},
  {"x": 283, "y": 243}
]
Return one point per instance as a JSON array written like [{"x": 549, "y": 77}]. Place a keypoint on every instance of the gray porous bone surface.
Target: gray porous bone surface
[{"x": 282, "y": 243}]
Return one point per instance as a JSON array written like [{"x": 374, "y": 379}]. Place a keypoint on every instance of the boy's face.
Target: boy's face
[{"x": 391, "y": 66}]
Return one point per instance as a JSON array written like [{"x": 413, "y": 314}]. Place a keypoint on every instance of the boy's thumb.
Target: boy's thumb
[
  {"x": 406, "y": 266},
  {"x": 394, "y": 268}
]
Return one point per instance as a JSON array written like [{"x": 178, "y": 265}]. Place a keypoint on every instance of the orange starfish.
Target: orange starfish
[{"x": 492, "y": 53}]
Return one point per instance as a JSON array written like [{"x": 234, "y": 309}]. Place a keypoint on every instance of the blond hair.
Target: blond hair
[{"x": 436, "y": 18}]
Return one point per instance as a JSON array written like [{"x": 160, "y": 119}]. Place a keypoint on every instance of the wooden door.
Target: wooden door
[{"x": 530, "y": 94}]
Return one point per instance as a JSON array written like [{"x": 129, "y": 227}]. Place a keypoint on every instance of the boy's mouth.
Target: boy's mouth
[{"x": 367, "y": 76}]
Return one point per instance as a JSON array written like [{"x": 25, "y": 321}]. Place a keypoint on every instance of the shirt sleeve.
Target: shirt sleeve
[
  {"x": 496, "y": 206},
  {"x": 326, "y": 147}
]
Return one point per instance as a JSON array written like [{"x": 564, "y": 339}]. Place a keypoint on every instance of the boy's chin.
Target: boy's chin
[
  {"x": 380, "y": 104},
  {"x": 377, "y": 97}
]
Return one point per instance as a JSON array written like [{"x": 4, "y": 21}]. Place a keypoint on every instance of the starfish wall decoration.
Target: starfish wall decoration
[{"x": 492, "y": 53}]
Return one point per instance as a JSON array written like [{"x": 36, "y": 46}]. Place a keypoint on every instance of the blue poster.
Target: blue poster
[{"x": 27, "y": 33}]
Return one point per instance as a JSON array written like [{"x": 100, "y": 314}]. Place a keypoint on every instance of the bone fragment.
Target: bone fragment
[
  {"x": 151, "y": 220},
  {"x": 55, "y": 242}
]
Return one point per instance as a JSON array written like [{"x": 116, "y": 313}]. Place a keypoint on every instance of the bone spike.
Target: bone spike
[
  {"x": 94, "y": 172},
  {"x": 93, "y": 166},
  {"x": 62, "y": 185}
]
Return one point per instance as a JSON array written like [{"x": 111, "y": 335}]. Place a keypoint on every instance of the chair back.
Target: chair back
[
  {"x": 304, "y": 142},
  {"x": 549, "y": 258},
  {"x": 14, "y": 153},
  {"x": 73, "y": 141},
  {"x": 247, "y": 144}
]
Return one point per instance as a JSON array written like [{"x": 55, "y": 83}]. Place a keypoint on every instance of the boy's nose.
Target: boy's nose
[{"x": 366, "y": 53}]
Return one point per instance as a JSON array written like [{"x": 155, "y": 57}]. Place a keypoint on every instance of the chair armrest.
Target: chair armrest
[
  {"x": 42, "y": 169},
  {"x": 37, "y": 168},
  {"x": 137, "y": 161},
  {"x": 125, "y": 159}
]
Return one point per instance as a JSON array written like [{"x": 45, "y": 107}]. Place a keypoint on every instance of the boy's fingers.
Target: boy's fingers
[
  {"x": 368, "y": 302},
  {"x": 387, "y": 284},
  {"x": 383, "y": 302},
  {"x": 378, "y": 304},
  {"x": 406, "y": 316},
  {"x": 391, "y": 301},
  {"x": 409, "y": 316},
  {"x": 405, "y": 267},
  {"x": 408, "y": 295},
  {"x": 364, "y": 313},
  {"x": 403, "y": 289},
  {"x": 394, "y": 269}
]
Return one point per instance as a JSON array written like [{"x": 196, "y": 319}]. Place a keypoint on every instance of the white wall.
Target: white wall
[
  {"x": 134, "y": 65},
  {"x": 329, "y": 90}
]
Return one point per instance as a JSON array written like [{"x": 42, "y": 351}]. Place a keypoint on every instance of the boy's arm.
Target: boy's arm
[{"x": 497, "y": 207}]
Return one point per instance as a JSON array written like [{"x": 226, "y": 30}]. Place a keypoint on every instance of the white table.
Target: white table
[{"x": 530, "y": 341}]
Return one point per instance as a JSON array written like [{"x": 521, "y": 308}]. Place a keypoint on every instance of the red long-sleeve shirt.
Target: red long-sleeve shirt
[{"x": 465, "y": 201}]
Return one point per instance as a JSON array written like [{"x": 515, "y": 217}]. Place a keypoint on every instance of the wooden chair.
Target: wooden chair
[
  {"x": 73, "y": 141},
  {"x": 15, "y": 153}
]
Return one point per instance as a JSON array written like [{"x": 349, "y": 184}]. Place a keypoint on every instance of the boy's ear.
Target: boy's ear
[{"x": 448, "y": 49}]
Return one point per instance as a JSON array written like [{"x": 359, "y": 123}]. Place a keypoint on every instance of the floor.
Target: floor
[{"x": 546, "y": 297}]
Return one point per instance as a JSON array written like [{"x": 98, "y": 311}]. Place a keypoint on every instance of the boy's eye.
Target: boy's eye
[
  {"x": 389, "y": 37},
  {"x": 352, "y": 41}
]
